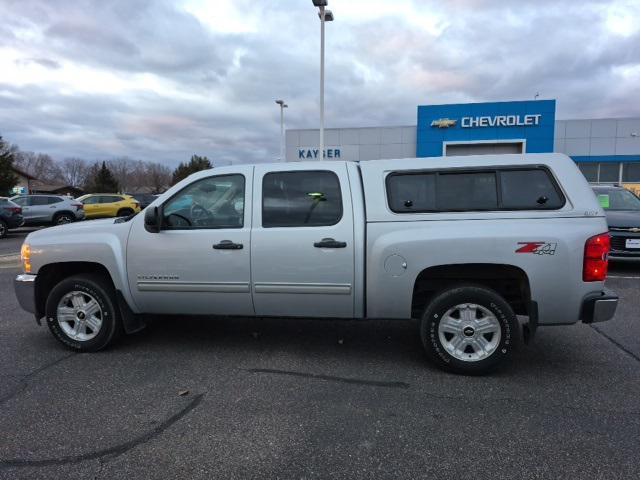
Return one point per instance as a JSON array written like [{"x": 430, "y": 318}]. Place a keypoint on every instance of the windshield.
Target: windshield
[{"x": 618, "y": 200}]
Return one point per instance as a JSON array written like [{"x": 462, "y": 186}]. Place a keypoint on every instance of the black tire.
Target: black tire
[
  {"x": 62, "y": 218},
  {"x": 102, "y": 291},
  {"x": 124, "y": 212},
  {"x": 4, "y": 229},
  {"x": 469, "y": 295}
]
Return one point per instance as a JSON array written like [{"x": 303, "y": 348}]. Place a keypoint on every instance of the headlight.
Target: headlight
[{"x": 25, "y": 257}]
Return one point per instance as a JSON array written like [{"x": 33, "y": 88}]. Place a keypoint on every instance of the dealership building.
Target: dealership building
[{"x": 607, "y": 150}]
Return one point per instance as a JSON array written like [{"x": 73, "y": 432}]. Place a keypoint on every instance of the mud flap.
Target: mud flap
[
  {"x": 529, "y": 329},
  {"x": 131, "y": 321}
]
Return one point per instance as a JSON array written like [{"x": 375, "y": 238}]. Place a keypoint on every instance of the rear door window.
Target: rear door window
[
  {"x": 38, "y": 201},
  {"x": 52, "y": 200},
  {"x": 110, "y": 199},
  {"x": 301, "y": 199}
]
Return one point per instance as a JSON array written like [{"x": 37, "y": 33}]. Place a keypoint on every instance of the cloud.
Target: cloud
[{"x": 161, "y": 80}]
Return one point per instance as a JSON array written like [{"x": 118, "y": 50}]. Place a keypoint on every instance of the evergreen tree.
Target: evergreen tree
[
  {"x": 196, "y": 164},
  {"x": 102, "y": 181},
  {"x": 8, "y": 178}
]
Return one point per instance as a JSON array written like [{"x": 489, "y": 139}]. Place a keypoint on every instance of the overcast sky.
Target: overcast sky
[{"x": 161, "y": 80}]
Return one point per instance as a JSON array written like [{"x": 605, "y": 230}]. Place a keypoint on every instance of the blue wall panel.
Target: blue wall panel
[
  {"x": 606, "y": 158},
  {"x": 539, "y": 137}
]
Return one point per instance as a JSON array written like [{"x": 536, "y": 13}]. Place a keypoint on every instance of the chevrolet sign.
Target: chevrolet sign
[
  {"x": 444, "y": 123},
  {"x": 501, "y": 121}
]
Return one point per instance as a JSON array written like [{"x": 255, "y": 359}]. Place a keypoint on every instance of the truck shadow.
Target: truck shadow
[{"x": 386, "y": 343}]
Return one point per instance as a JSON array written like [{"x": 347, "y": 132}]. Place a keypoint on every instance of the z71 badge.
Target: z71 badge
[{"x": 539, "y": 248}]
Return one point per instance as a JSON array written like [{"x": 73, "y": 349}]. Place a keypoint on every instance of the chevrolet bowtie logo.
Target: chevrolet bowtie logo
[{"x": 443, "y": 123}]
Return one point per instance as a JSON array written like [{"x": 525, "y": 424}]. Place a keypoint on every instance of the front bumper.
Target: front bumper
[
  {"x": 624, "y": 255},
  {"x": 25, "y": 287},
  {"x": 14, "y": 221},
  {"x": 599, "y": 307}
]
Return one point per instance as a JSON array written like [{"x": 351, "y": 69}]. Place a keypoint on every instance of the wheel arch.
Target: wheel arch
[
  {"x": 511, "y": 282},
  {"x": 61, "y": 212},
  {"x": 128, "y": 211},
  {"x": 51, "y": 274}
]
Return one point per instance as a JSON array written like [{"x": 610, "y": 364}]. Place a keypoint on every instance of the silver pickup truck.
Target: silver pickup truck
[{"x": 481, "y": 250}]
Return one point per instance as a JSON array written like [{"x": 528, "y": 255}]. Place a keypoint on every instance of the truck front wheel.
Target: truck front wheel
[
  {"x": 82, "y": 313},
  {"x": 469, "y": 329}
]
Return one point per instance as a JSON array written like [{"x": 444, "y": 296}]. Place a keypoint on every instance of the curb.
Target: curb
[{"x": 12, "y": 257}]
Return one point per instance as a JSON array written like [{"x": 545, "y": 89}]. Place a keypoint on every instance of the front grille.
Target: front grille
[
  {"x": 618, "y": 243},
  {"x": 625, "y": 229}
]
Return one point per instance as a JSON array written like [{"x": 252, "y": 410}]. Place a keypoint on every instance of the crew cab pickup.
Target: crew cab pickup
[{"x": 481, "y": 250}]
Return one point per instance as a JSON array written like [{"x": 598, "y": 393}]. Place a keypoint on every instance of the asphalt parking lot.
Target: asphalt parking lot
[{"x": 274, "y": 398}]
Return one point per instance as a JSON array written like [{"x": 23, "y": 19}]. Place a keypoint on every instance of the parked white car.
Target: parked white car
[{"x": 49, "y": 209}]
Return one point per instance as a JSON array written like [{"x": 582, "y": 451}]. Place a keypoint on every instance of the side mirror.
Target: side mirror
[{"x": 152, "y": 219}]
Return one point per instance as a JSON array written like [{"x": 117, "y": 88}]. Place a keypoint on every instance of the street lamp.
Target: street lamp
[
  {"x": 282, "y": 107},
  {"x": 325, "y": 16}
]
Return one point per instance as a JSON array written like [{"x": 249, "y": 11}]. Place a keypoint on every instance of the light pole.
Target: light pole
[
  {"x": 282, "y": 107},
  {"x": 325, "y": 16}
]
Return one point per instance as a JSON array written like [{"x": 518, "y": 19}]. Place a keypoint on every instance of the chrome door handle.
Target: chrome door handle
[
  {"x": 329, "y": 243},
  {"x": 227, "y": 245}
]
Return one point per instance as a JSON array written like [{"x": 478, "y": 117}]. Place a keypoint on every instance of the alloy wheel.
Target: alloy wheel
[
  {"x": 79, "y": 315},
  {"x": 469, "y": 332}
]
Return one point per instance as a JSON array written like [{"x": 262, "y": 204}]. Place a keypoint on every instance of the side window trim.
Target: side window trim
[
  {"x": 276, "y": 172},
  {"x": 496, "y": 170}
]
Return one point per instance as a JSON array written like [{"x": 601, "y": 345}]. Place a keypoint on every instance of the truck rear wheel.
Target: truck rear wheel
[
  {"x": 470, "y": 330},
  {"x": 82, "y": 313}
]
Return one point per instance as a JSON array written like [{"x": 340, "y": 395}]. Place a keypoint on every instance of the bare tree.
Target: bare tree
[
  {"x": 40, "y": 165},
  {"x": 158, "y": 177},
  {"x": 121, "y": 169},
  {"x": 75, "y": 171}
]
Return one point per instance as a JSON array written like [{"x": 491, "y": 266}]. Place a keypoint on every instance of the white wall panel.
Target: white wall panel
[
  {"x": 603, "y": 128},
  {"x": 602, "y": 146},
  {"x": 349, "y": 136},
  {"x": 390, "y": 135},
  {"x": 577, "y": 128},
  {"x": 577, "y": 146},
  {"x": 628, "y": 146},
  {"x": 369, "y": 152},
  {"x": 627, "y": 127},
  {"x": 391, "y": 150},
  {"x": 369, "y": 136}
]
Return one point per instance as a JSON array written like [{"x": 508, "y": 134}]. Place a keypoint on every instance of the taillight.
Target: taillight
[
  {"x": 596, "y": 258},
  {"x": 17, "y": 210},
  {"x": 79, "y": 206}
]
